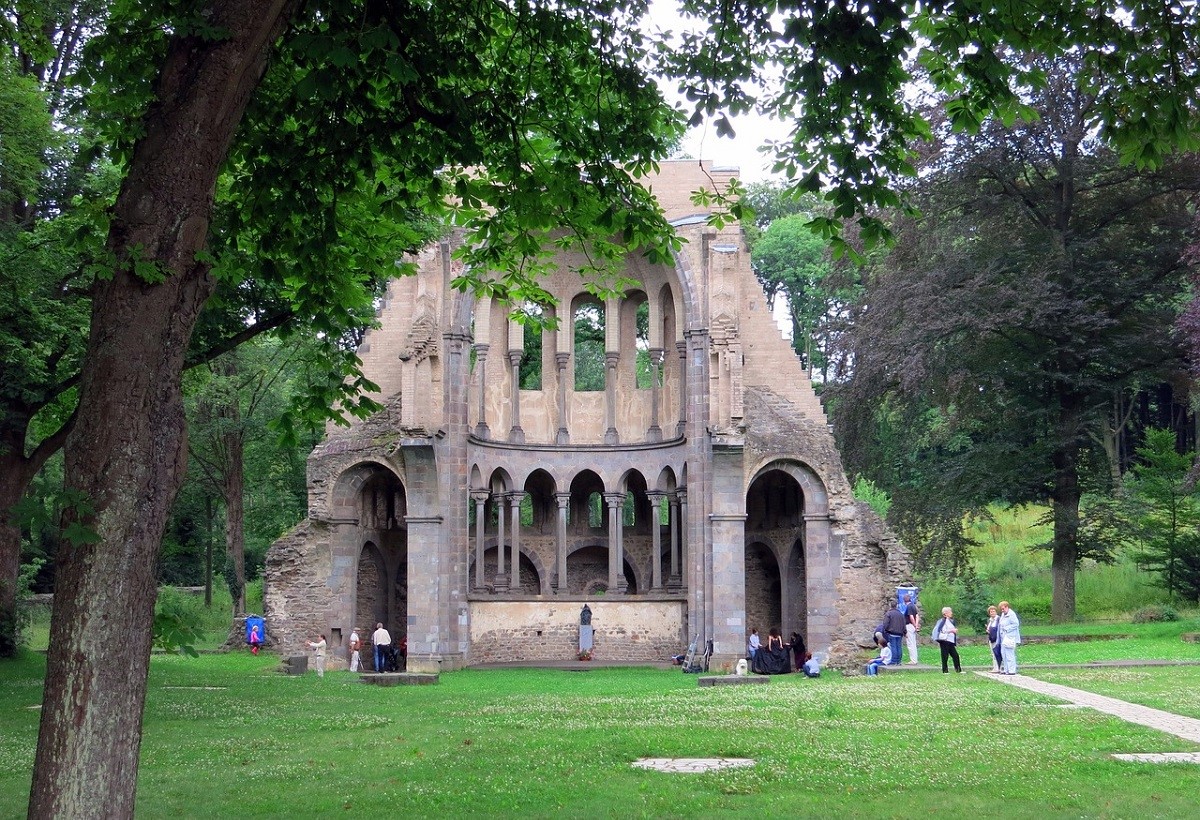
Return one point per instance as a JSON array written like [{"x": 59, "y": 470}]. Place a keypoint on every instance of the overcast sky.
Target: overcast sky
[{"x": 702, "y": 142}]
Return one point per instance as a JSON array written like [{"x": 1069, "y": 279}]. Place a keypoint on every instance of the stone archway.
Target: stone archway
[
  {"x": 764, "y": 589},
  {"x": 370, "y": 592},
  {"x": 779, "y": 503}
]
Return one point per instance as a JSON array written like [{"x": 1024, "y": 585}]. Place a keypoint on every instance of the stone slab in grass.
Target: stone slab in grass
[
  {"x": 691, "y": 765},
  {"x": 1164, "y": 757},
  {"x": 732, "y": 680},
  {"x": 399, "y": 678}
]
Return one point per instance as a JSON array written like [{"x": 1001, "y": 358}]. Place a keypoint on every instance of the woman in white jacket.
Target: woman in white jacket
[{"x": 1010, "y": 639}]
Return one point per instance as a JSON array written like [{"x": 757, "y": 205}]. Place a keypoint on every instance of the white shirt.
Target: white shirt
[{"x": 381, "y": 637}]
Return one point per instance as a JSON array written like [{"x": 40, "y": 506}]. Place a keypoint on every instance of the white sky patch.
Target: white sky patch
[{"x": 752, "y": 131}]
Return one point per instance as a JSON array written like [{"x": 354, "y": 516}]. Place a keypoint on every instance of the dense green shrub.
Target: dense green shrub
[
  {"x": 1154, "y": 614},
  {"x": 876, "y": 497}
]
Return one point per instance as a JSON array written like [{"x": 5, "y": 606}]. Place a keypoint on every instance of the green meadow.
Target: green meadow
[{"x": 227, "y": 736}]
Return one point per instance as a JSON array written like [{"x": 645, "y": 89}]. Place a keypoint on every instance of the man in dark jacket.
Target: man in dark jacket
[{"x": 893, "y": 626}]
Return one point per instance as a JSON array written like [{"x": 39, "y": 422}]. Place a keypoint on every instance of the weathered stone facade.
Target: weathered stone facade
[{"x": 689, "y": 487}]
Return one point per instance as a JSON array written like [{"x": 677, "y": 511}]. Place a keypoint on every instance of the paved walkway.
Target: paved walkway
[{"x": 1178, "y": 725}]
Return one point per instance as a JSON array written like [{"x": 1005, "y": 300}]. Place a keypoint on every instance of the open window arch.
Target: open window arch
[{"x": 588, "y": 343}]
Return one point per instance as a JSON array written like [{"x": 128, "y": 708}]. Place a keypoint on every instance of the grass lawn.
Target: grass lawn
[
  {"x": 1173, "y": 689},
  {"x": 225, "y": 736}
]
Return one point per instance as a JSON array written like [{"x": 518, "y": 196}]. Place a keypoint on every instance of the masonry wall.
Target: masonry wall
[{"x": 638, "y": 630}]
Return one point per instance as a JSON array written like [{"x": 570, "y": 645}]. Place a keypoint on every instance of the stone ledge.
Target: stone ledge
[
  {"x": 399, "y": 678},
  {"x": 732, "y": 680}
]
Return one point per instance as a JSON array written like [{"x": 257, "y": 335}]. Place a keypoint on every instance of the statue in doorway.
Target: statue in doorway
[{"x": 585, "y": 616}]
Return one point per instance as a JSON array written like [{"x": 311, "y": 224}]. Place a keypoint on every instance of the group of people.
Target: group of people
[
  {"x": 903, "y": 621},
  {"x": 777, "y": 657},
  {"x": 380, "y": 638},
  {"x": 1004, "y": 636},
  {"x": 899, "y": 629},
  {"x": 386, "y": 655}
]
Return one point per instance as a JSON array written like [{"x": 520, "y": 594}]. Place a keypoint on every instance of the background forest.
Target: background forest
[{"x": 1011, "y": 382}]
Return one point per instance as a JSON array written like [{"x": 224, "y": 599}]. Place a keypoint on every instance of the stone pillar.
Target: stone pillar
[
  {"x": 560, "y": 541},
  {"x": 562, "y": 360},
  {"x": 673, "y": 581},
  {"x": 616, "y": 570},
  {"x": 515, "y": 434},
  {"x": 681, "y": 428},
  {"x": 727, "y": 582},
  {"x": 501, "y": 584},
  {"x": 685, "y": 556},
  {"x": 611, "y": 360},
  {"x": 823, "y": 562},
  {"x": 656, "y": 502},
  {"x": 514, "y": 506},
  {"x": 482, "y": 430},
  {"x": 656, "y": 359},
  {"x": 480, "y": 498}
]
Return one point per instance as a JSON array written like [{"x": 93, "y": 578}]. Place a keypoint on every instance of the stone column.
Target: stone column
[
  {"x": 656, "y": 359},
  {"x": 622, "y": 584},
  {"x": 611, "y": 360},
  {"x": 673, "y": 581},
  {"x": 514, "y": 506},
  {"x": 684, "y": 550},
  {"x": 515, "y": 434},
  {"x": 481, "y": 427},
  {"x": 563, "y": 500},
  {"x": 616, "y": 571},
  {"x": 681, "y": 428},
  {"x": 562, "y": 360},
  {"x": 501, "y": 584},
  {"x": 480, "y": 498},
  {"x": 656, "y": 502}
]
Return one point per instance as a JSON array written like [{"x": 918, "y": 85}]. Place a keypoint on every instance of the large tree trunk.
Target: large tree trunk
[
  {"x": 1064, "y": 500},
  {"x": 235, "y": 515},
  {"x": 12, "y": 489},
  {"x": 126, "y": 453},
  {"x": 16, "y": 471},
  {"x": 10, "y": 561}
]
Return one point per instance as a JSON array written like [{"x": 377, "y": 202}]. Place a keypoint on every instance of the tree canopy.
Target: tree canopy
[{"x": 1043, "y": 277}]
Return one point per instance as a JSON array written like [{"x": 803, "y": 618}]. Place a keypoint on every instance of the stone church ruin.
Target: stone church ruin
[{"x": 661, "y": 457}]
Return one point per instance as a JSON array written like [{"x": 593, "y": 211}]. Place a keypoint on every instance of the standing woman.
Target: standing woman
[
  {"x": 318, "y": 648},
  {"x": 993, "y": 633},
  {"x": 1010, "y": 639},
  {"x": 355, "y": 650},
  {"x": 798, "y": 650},
  {"x": 946, "y": 634}
]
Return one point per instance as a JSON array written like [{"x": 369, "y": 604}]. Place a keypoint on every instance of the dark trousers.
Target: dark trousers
[
  {"x": 949, "y": 650},
  {"x": 381, "y": 656},
  {"x": 996, "y": 653}
]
